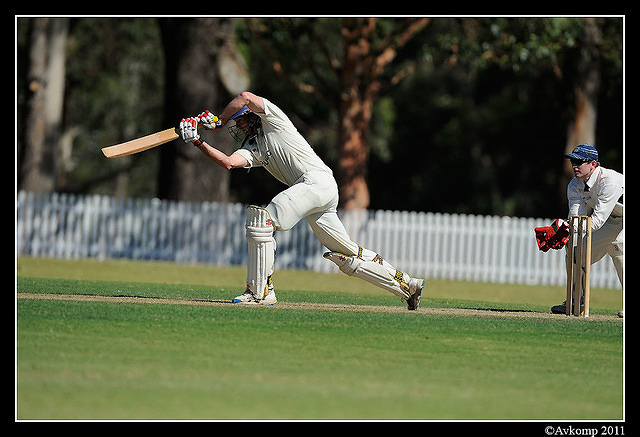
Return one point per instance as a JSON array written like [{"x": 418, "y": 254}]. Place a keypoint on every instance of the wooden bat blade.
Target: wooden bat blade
[{"x": 140, "y": 144}]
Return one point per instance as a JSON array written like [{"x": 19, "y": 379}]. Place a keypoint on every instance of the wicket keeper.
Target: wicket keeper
[
  {"x": 270, "y": 140},
  {"x": 597, "y": 192}
]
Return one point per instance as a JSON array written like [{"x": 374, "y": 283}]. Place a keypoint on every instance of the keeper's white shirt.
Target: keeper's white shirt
[
  {"x": 601, "y": 200},
  {"x": 280, "y": 148}
]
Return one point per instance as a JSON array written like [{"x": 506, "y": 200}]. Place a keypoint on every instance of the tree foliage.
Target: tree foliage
[{"x": 471, "y": 115}]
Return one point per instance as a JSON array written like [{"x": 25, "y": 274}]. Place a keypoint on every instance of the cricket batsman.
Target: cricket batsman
[
  {"x": 270, "y": 140},
  {"x": 597, "y": 192}
]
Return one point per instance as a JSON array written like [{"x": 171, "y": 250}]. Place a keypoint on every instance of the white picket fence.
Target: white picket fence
[{"x": 429, "y": 245}]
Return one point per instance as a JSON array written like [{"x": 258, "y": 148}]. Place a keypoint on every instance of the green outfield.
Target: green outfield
[{"x": 142, "y": 340}]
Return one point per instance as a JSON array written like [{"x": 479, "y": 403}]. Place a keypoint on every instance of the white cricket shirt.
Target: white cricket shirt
[
  {"x": 601, "y": 196},
  {"x": 280, "y": 148}
]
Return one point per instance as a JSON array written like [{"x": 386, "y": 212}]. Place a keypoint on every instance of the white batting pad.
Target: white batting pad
[
  {"x": 261, "y": 250},
  {"x": 371, "y": 271}
]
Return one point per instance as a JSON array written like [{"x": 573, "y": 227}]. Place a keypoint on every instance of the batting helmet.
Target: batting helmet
[{"x": 253, "y": 123}]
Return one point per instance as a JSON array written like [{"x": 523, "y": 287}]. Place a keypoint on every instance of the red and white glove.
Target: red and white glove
[
  {"x": 209, "y": 121},
  {"x": 189, "y": 131},
  {"x": 561, "y": 236},
  {"x": 552, "y": 237}
]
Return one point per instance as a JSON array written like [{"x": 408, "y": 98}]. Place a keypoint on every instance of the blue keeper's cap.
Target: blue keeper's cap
[{"x": 585, "y": 152}]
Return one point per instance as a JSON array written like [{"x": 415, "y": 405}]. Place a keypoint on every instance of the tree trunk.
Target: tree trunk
[
  {"x": 42, "y": 168},
  {"x": 365, "y": 59},
  {"x": 192, "y": 84},
  {"x": 583, "y": 127},
  {"x": 354, "y": 115}
]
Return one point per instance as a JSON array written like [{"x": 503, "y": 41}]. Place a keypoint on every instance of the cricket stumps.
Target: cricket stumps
[{"x": 578, "y": 266}]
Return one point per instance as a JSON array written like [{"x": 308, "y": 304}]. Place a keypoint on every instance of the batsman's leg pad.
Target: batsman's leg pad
[
  {"x": 371, "y": 271},
  {"x": 261, "y": 251}
]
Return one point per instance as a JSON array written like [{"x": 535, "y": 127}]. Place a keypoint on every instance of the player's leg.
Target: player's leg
[
  {"x": 617, "y": 255},
  {"x": 261, "y": 249},
  {"x": 316, "y": 198},
  {"x": 282, "y": 213},
  {"x": 312, "y": 193},
  {"x": 363, "y": 263},
  {"x": 609, "y": 240}
]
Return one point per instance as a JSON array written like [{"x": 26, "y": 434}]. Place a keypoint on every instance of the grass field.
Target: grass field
[{"x": 333, "y": 348}]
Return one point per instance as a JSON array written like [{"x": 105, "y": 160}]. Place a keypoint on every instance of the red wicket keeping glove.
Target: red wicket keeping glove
[
  {"x": 542, "y": 237},
  {"x": 552, "y": 237},
  {"x": 561, "y": 234}
]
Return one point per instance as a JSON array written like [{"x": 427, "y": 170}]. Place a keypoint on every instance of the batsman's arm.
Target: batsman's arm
[
  {"x": 245, "y": 98},
  {"x": 235, "y": 160}
]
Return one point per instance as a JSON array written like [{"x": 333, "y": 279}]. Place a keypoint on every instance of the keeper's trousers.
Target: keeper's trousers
[{"x": 609, "y": 240}]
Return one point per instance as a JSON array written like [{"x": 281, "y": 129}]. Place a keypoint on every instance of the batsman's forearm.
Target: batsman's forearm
[
  {"x": 215, "y": 155},
  {"x": 221, "y": 158},
  {"x": 245, "y": 98}
]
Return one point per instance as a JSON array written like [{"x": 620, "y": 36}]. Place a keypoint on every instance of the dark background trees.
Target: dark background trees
[{"x": 468, "y": 115}]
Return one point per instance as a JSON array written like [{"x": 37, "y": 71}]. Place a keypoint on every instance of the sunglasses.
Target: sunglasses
[{"x": 579, "y": 162}]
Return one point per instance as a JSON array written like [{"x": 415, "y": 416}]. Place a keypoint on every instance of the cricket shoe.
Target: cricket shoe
[
  {"x": 247, "y": 298},
  {"x": 559, "y": 309},
  {"x": 414, "y": 300},
  {"x": 562, "y": 308}
]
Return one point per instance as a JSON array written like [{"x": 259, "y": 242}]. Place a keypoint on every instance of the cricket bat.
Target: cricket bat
[{"x": 141, "y": 144}]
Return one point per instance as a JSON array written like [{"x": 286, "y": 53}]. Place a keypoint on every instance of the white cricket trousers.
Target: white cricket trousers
[
  {"x": 609, "y": 240},
  {"x": 315, "y": 197}
]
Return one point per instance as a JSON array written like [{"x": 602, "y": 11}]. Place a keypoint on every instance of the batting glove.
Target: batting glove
[
  {"x": 189, "y": 131},
  {"x": 209, "y": 121}
]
